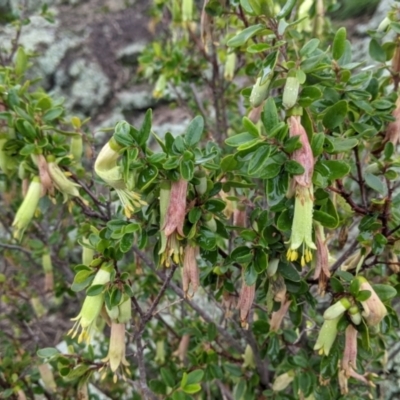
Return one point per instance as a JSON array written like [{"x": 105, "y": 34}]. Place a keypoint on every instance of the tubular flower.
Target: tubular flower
[
  {"x": 374, "y": 309},
  {"x": 27, "y": 209},
  {"x": 338, "y": 309},
  {"x": 277, "y": 316},
  {"x": 61, "y": 182},
  {"x": 246, "y": 299},
  {"x": 322, "y": 272},
  {"x": 190, "y": 272},
  {"x": 302, "y": 227},
  {"x": 107, "y": 169},
  {"x": 91, "y": 309},
  {"x": 304, "y": 155},
  {"x": 172, "y": 218},
  {"x": 116, "y": 350},
  {"x": 327, "y": 336},
  {"x": 350, "y": 351}
]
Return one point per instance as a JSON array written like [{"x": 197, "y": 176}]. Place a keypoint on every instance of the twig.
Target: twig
[
  {"x": 360, "y": 178},
  {"x": 231, "y": 340},
  {"x": 344, "y": 256}
]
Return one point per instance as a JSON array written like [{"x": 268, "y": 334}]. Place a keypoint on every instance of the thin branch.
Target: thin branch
[
  {"x": 360, "y": 178},
  {"x": 344, "y": 256},
  {"x": 225, "y": 334}
]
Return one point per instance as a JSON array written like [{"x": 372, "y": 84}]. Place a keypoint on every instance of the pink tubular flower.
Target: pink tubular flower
[
  {"x": 304, "y": 155},
  {"x": 176, "y": 212},
  {"x": 350, "y": 350},
  {"x": 246, "y": 299},
  {"x": 190, "y": 272},
  {"x": 374, "y": 309},
  {"x": 277, "y": 316}
]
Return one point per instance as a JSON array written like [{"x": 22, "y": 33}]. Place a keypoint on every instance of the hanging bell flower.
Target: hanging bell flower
[
  {"x": 190, "y": 271},
  {"x": 91, "y": 308},
  {"x": 327, "y": 336},
  {"x": 245, "y": 303},
  {"x": 301, "y": 235},
  {"x": 172, "y": 218},
  {"x": 61, "y": 182},
  {"x": 107, "y": 169},
  {"x": 374, "y": 309},
  {"x": 27, "y": 209}
]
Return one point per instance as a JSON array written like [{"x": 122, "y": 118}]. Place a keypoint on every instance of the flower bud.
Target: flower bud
[
  {"x": 272, "y": 267},
  {"x": 76, "y": 147},
  {"x": 201, "y": 187},
  {"x": 290, "y": 92},
  {"x": 230, "y": 65},
  {"x": 259, "y": 92},
  {"x": 160, "y": 352},
  {"x": 374, "y": 309},
  {"x": 160, "y": 86},
  {"x": 248, "y": 358},
  {"x": 187, "y": 10},
  {"x": 327, "y": 336},
  {"x": 338, "y": 309},
  {"x": 27, "y": 209},
  {"x": 47, "y": 377}
]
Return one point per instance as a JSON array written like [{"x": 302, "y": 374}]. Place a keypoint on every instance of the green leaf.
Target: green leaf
[
  {"x": 229, "y": 163},
  {"x": 250, "y": 275},
  {"x": 317, "y": 144},
  {"x": 288, "y": 271},
  {"x": 194, "y": 131},
  {"x": 325, "y": 219},
  {"x": 363, "y": 295},
  {"x": 145, "y": 129},
  {"x": 337, "y": 169},
  {"x": 293, "y": 167},
  {"x": 375, "y": 183},
  {"x": 385, "y": 292},
  {"x": 309, "y": 47},
  {"x": 335, "y": 114},
  {"x": 195, "y": 376},
  {"x": 250, "y": 127},
  {"x": 191, "y": 389},
  {"x": 167, "y": 377},
  {"x": 269, "y": 116},
  {"x": 47, "y": 352},
  {"x": 146, "y": 177},
  {"x": 53, "y": 114},
  {"x": 187, "y": 169},
  {"x": 243, "y": 36},
  {"x": 239, "y": 139},
  {"x": 126, "y": 242},
  {"x": 21, "y": 61},
  {"x": 339, "y": 44},
  {"x": 258, "y": 160},
  {"x": 376, "y": 51},
  {"x": 95, "y": 290}
]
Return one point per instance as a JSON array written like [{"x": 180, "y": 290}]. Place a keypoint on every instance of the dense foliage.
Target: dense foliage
[{"x": 253, "y": 257}]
